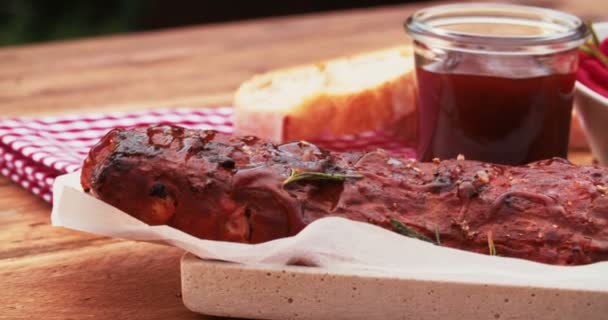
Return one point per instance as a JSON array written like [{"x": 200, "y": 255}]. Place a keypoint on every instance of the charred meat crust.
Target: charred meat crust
[{"x": 219, "y": 187}]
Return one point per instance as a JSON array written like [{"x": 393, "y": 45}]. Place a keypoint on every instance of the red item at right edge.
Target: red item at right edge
[
  {"x": 593, "y": 73},
  {"x": 604, "y": 47}
]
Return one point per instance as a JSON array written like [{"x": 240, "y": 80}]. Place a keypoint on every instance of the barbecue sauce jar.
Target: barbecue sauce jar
[{"x": 495, "y": 81}]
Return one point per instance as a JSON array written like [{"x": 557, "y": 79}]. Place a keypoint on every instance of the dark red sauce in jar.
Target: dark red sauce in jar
[
  {"x": 494, "y": 119},
  {"x": 495, "y": 81}
]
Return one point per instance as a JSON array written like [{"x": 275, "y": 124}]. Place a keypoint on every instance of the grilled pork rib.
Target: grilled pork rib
[{"x": 219, "y": 187}]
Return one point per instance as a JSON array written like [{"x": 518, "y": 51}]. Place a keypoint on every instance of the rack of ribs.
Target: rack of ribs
[{"x": 220, "y": 187}]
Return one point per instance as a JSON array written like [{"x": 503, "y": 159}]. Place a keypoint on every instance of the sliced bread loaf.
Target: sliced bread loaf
[{"x": 341, "y": 96}]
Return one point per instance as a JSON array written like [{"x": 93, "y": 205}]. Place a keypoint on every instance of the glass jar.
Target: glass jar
[{"x": 495, "y": 81}]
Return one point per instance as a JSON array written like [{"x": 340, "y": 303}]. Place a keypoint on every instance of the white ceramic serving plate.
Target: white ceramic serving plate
[
  {"x": 593, "y": 111},
  {"x": 295, "y": 292}
]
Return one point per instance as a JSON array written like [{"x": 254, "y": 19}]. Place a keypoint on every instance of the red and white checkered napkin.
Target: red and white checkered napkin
[{"x": 33, "y": 151}]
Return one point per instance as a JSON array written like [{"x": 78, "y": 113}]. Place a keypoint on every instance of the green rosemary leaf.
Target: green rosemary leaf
[
  {"x": 586, "y": 49},
  {"x": 308, "y": 176},
  {"x": 491, "y": 245},
  {"x": 591, "y": 46},
  {"x": 595, "y": 52},
  {"x": 594, "y": 37},
  {"x": 437, "y": 239},
  {"x": 407, "y": 231}
]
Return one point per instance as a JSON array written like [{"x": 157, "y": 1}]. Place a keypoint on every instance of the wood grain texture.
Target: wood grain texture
[{"x": 62, "y": 274}]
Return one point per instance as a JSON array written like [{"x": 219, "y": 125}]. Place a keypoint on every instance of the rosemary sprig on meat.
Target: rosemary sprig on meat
[
  {"x": 437, "y": 238},
  {"x": 408, "y": 232},
  {"x": 491, "y": 245},
  {"x": 295, "y": 176}
]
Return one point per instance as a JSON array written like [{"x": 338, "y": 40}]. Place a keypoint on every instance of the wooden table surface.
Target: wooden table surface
[{"x": 53, "y": 273}]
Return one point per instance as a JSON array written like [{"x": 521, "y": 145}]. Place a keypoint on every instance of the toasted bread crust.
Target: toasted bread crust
[
  {"x": 372, "y": 108},
  {"x": 325, "y": 112}
]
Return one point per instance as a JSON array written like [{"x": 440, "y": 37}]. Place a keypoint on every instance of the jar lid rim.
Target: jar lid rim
[{"x": 426, "y": 24}]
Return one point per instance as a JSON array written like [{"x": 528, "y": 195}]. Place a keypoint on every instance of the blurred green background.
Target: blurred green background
[{"x": 27, "y": 21}]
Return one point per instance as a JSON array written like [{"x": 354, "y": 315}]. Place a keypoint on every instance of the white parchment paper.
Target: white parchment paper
[{"x": 330, "y": 243}]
